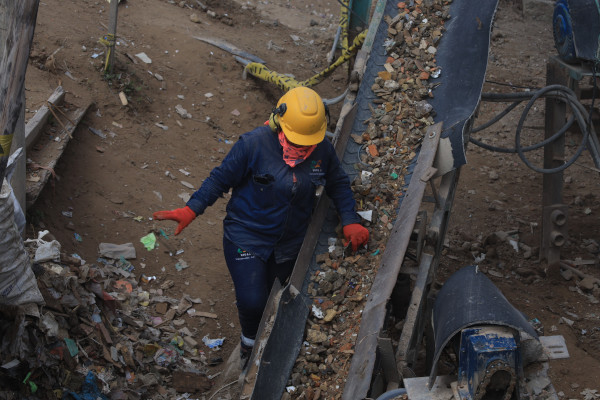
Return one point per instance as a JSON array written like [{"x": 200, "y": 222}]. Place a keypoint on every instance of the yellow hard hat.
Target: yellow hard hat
[{"x": 301, "y": 116}]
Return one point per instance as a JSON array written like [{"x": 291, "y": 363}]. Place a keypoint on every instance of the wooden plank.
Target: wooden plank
[
  {"x": 36, "y": 124},
  {"x": 17, "y": 19},
  {"x": 35, "y": 188},
  {"x": 361, "y": 369}
]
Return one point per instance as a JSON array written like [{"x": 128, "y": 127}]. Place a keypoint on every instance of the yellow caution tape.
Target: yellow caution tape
[
  {"x": 286, "y": 82},
  {"x": 5, "y": 142},
  {"x": 109, "y": 42},
  {"x": 344, "y": 22}
]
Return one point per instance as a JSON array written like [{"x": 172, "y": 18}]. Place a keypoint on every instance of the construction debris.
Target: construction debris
[{"x": 100, "y": 329}]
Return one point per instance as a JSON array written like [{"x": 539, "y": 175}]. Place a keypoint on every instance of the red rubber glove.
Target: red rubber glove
[
  {"x": 357, "y": 234},
  {"x": 183, "y": 215}
]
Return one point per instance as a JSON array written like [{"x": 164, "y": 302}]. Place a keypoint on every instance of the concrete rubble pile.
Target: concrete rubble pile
[
  {"x": 101, "y": 335},
  {"x": 394, "y": 131}
]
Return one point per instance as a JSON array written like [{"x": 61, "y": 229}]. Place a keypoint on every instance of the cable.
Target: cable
[
  {"x": 554, "y": 91},
  {"x": 573, "y": 101},
  {"x": 509, "y": 85}
]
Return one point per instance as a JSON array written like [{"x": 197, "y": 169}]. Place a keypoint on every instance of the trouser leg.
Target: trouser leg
[{"x": 252, "y": 279}]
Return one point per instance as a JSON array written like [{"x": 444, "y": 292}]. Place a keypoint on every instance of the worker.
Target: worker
[{"x": 274, "y": 171}]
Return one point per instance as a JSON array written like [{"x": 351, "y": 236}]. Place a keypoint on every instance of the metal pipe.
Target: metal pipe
[{"x": 392, "y": 393}]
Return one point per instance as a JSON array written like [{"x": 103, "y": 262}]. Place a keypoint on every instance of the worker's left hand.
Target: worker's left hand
[{"x": 357, "y": 234}]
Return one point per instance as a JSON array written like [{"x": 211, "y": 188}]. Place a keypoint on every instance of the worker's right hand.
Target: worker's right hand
[{"x": 183, "y": 215}]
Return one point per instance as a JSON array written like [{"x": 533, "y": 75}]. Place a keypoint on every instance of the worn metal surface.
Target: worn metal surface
[
  {"x": 406, "y": 352},
  {"x": 361, "y": 369},
  {"x": 469, "y": 298},
  {"x": 416, "y": 315},
  {"x": 585, "y": 20}
]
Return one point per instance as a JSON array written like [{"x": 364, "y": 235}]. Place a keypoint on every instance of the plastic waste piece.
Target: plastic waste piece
[
  {"x": 368, "y": 215},
  {"x": 72, "y": 347},
  {"x": 11, "y": 364},
  {"x": 317, "y": 312},
  {"x": 116, "y": 251},
  {"x": 89, "y": 390},
  {"x": 49, "y": 325},
  {"x": 125, "y": 265},
  {"x": 46, "y": 251},
  {"x": 181, "y": 265},
  {"x": 214, "y": 344},
  {"x": 32, "y": 386},
  {"x": 144, "y": 298},
  {"x": 177, "y": 341},
  {"x": 78, "y": 237},
  {"x": 124, "y": 285},
  {"x": 142, "y": 56},
  {"x": 149, "y": 241},
  {"x": 162, "y": 233},
  {"x": 166, "y": 356},
  {"x": 146, "y": 279}
]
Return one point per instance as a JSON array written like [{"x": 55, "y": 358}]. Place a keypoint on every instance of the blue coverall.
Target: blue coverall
[{"x": 269, "y": 212}]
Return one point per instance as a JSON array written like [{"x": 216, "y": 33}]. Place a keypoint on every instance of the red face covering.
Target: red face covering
[{"x": 292, "y": 154}]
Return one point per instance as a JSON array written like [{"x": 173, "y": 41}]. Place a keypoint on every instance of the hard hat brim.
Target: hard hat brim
[{"x": 305, "y": 140}]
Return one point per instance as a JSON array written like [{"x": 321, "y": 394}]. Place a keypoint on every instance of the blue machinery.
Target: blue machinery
[{"x": 488, "y": 361}]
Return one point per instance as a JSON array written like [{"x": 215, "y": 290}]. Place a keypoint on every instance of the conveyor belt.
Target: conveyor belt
[{"x": 462, "y": 55}]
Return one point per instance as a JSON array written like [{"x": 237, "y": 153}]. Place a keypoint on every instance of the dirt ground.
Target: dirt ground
[{"x": 136, "y": 170}]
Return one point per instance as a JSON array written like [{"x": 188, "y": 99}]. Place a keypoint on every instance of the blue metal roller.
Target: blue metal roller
[{"x": 563, "y": 31}]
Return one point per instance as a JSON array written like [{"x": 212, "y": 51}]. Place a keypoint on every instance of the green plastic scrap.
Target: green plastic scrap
[
  {"x": 72, "y": 346},
  {"x": 32, "y": 386},
  {"x": 149, "y": 241},
  {"x": 163, "y": 233}
]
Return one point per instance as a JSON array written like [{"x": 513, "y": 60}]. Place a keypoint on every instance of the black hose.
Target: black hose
[
  {"x": 573, "y": 102},
  {"x": 554, "y": 91}
]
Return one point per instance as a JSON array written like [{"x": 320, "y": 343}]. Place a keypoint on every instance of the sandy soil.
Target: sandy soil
[{"x": 136, "y": 169}]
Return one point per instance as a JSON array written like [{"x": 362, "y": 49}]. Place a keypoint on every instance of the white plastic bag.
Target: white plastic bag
[
  {"x": 17, "y": 282},
  {"x": 46, "y": 251}
]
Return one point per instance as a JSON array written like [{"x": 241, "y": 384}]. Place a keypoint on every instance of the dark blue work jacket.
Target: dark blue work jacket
[{"x": 267, "y": 211}]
